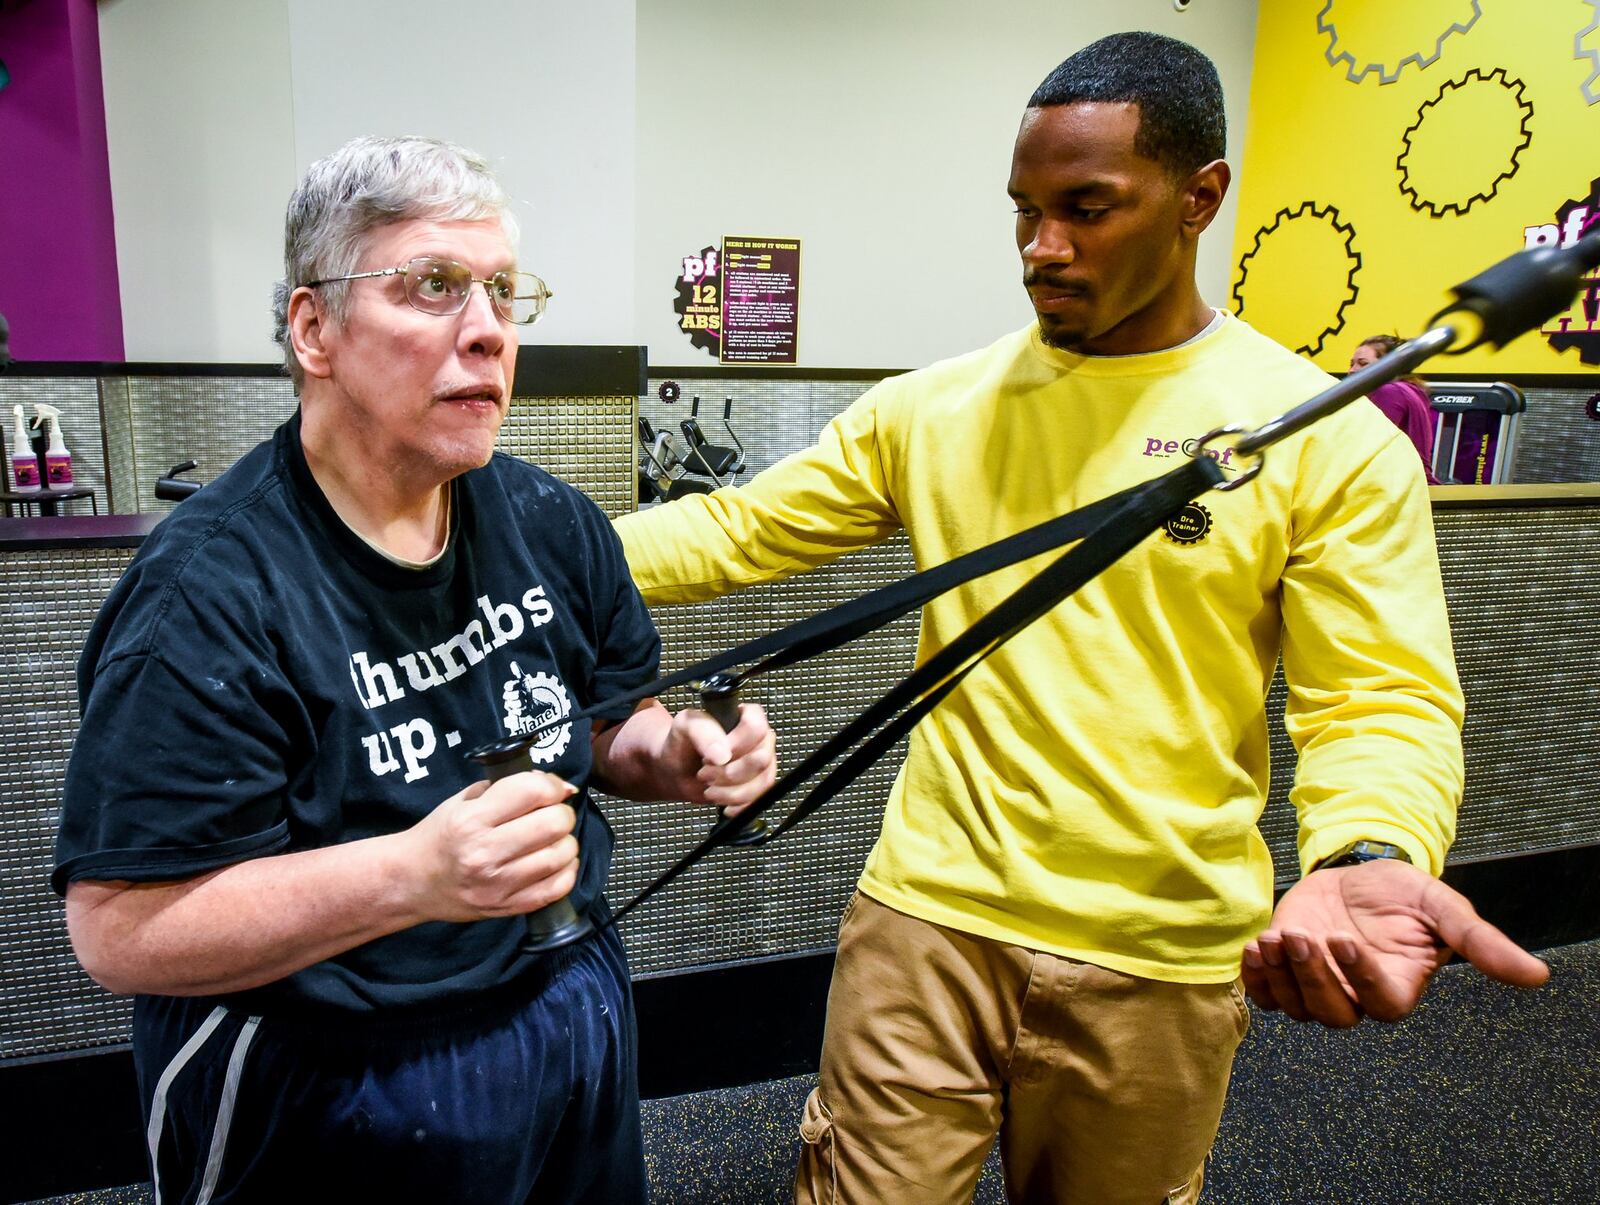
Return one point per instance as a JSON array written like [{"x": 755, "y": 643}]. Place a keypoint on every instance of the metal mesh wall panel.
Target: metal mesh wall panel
[
  {"x": 772, "y": 418},
  {"x": 1530, "y": 718},
  {"x": 580, "y": 440},
  {"x": 47, "y": 600},
  {"x": 78, "y": 399},
  {"x": 216, "y": 420},
  {"x": 116, "y": 420},
  {"x": 1556, "y": 440},
  {"x": 786, "y": 896},
  {"x": 210, "y": 420}
]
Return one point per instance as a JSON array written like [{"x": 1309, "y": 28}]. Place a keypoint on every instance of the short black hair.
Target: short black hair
[{"x": 1182, "y": 124}]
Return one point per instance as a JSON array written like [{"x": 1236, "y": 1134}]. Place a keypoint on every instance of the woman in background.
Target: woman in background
[{"x": 1404, "y": 401}]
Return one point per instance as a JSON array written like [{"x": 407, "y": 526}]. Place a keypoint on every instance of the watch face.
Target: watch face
[
  {"x": 1371, "y": 851},
  {"x": 1358, "y": 852}
]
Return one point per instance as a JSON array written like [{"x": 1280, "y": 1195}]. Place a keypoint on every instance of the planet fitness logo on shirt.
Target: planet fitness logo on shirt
[
  {"x": 532, "y": 701},
  {"x": 1189, "y": 526},
  {"x": 1163, "y": 449}
]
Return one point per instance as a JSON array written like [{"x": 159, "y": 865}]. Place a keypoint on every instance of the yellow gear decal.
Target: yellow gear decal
[
  {"x": 1465, "y": 141},
  {"x": 1469, "y": 128},
  {"x": 1297, "y": 281}
]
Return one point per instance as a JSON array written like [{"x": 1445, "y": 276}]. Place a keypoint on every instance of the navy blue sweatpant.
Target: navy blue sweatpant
[{"x": 535, "y": 1100}]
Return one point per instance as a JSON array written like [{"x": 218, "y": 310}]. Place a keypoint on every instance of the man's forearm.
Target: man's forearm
[
  {"x": 244, "y": 925},
  {"x": 805, "y": 511},
  {"x": 628, "y": 757}
]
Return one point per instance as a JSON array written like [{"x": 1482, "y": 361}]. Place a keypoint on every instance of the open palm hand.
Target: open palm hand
[{"x": 1356, "y": 941}]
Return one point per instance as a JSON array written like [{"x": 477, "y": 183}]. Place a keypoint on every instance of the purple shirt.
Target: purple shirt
[{"x": 1406, "y": 406}]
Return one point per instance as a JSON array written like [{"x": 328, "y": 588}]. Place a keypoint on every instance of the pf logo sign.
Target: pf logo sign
[{"x": 1578, "y": 328}]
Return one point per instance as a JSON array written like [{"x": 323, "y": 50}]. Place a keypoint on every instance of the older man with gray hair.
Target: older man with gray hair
[{"x": 271, "y": 837}]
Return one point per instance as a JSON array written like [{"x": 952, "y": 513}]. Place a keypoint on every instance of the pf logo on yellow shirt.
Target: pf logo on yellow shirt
[{"x": 1190, "y": 525}]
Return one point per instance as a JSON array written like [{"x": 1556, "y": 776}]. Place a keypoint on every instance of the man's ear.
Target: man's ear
[
  {"x": 1202, "y": 196},
  {"x": 307, "y": 325}
]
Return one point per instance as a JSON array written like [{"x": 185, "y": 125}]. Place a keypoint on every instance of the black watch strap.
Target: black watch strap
[{"x": 1358, "y": 852}]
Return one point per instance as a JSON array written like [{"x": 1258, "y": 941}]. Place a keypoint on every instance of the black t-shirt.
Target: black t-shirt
[{"x": 261, "y": 680}]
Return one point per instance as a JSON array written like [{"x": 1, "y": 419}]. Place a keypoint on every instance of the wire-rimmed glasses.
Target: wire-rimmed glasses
[{"x": 441, "y": 286}]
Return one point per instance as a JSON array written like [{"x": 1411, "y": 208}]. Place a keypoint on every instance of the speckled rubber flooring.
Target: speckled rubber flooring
[{"x": 1484, "y": 1095}]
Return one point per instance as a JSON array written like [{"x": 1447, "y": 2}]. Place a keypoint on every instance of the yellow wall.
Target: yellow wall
[{"x": 1395, "y": 149}]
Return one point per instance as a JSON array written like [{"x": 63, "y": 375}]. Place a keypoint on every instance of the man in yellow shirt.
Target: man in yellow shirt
[{"x": 1048, "y": 935}]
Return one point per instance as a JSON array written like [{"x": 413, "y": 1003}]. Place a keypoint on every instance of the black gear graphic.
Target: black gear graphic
[
  {"x": 1586, "y": 343},
  {"x": 1189, "y": 526},
  {"x": 705, "y": 340},
  {"x": 1421, "y": 58},
  {"x": 1497, "y": 77},
  {"x": 1330, "y": 214},
  {"x": 669, "y": 392}
]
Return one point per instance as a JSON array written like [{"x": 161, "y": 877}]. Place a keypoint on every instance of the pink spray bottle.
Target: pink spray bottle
[{"x": 24, "y": 464}]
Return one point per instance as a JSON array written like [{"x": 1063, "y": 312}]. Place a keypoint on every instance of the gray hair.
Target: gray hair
[{"x": 366, "y": 184}]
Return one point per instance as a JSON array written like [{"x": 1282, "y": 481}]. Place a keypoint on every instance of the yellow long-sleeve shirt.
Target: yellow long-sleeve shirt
[{"x": 1093, "y": 788}]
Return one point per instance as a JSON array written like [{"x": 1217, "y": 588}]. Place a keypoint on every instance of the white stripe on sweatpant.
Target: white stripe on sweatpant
[
  {"x": 158, "y": 1104},
  {"x": 230, "y": 1093}
]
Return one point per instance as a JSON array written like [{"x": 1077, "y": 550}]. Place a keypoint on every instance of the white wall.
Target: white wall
[
  {"x": 214, "y": 109},
  {"x": 880, "y": 135},
  {"x": 543, "y": 88},
  {"x": 631, "y": 133},
  {"x": 200, "y": 137}
]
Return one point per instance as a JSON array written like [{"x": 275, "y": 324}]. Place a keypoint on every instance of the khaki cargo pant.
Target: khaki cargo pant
[{"x": 1104, "y": 1088}]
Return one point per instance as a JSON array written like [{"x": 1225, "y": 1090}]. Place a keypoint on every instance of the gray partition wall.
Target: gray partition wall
[
  {"x": 156, "y": 422},
  {"x": 48, "y": 597},
  {"x": 1519, "y": 575},
  {"x": 1558, "y": 436},
  {"x": 1519, "y": 579}
]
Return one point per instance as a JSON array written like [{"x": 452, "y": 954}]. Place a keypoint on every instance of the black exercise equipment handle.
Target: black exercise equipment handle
[
  {"x": 719, "y": 696},
  {"x": 1516, "y": 295},
  {"x": 171, "y": 488},
  {"x": 555, "y": 925},
  {"x": 1521, "y": 292}
]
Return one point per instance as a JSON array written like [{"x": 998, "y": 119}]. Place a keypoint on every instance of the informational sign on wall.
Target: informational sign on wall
[
  {"x": 760, "y": 300},
  {"x": 740, "y": 302}
]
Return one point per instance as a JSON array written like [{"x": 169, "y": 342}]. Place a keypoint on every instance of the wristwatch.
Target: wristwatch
[{"x": 1358, "y": 852}]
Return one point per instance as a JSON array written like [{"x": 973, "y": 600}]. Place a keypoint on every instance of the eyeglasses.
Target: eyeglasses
[{"x": 441, "y": 286}]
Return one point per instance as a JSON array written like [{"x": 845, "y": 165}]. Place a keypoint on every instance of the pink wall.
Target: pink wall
[{"x": 58, "y": 258}]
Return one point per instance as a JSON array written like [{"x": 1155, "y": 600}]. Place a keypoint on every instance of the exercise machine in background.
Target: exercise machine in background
[
  {"x": 665, "y": 474},
  {"x": 1475, "y": 431}
]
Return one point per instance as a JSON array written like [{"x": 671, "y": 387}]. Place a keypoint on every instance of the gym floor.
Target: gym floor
[{"x": 1485, "y": 1094}]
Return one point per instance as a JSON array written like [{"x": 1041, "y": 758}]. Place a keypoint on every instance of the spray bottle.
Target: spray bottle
[
  {"x": 57, "y": 460},
  {"x": 24, "y": 464}
]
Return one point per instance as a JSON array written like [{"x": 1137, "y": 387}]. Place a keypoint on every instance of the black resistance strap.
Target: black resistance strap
[{"x": 1105, "y": 530}]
